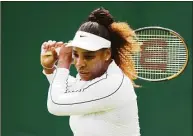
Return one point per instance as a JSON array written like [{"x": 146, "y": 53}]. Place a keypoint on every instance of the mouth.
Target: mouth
[{"x": 83, "y": 72}]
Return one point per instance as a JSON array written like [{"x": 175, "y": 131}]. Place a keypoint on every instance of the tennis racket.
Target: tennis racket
[{"x": 163, "y": 56}]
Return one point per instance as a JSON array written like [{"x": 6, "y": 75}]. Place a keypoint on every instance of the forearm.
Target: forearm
[{"x": 65, "y": 61}]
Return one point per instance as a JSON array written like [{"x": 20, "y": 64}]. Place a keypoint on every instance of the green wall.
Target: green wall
[{"x": 165, "y": 108}]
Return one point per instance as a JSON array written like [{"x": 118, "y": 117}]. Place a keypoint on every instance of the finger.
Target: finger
[
  {"x": 43, "y": 47},
  {"x": 49, "y": 41},
  {"x": 54, "y": 53},
  {"x": 46, "y": 47},
  {"x": 58, "y": 50},
  {"x": 52, "y": 48},
  {"x": 59, "y": 44},
  {"x": 51, "y": 44},
  {"x": 65, "y": 44},
  {"x": 54, "y": 44}
]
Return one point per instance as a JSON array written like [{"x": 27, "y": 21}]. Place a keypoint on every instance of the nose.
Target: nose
[{"x": 80, "y": 62}]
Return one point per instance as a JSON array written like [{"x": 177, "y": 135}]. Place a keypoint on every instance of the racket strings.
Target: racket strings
[{"x": 163, "y": 54}]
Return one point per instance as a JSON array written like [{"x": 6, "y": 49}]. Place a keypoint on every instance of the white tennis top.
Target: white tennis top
[{"x": 104, "y": 106}]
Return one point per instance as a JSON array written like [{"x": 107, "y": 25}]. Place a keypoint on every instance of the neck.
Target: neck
[{"x": 106, "y": 65}]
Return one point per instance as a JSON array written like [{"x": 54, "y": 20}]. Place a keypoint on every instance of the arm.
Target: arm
[
  {"x": 50, "y": 77},
  {"x": 50, "y": 53},
  {"x": 49, "y": 74},
  {"x": 100, "y": 94}
]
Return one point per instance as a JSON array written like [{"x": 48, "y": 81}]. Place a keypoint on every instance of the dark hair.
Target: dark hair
[{"x": 100, "y": 22}]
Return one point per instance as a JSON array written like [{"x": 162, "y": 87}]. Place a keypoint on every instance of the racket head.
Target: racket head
[{"x": 163, "y": 56}]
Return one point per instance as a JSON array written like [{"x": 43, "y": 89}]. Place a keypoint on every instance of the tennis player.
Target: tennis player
[{"x": 101, "y": 100}]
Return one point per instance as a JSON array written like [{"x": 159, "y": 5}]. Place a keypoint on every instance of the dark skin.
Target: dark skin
[{"x": 89, "y": 64}]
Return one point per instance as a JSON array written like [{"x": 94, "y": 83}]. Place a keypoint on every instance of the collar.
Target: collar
[{"x": 112, "y": 69}]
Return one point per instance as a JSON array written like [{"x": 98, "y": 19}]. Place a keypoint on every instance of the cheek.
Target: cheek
[{"x": 96, "y": 67}]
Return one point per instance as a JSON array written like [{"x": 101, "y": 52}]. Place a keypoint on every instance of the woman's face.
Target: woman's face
[{"x": 90, "y": 64}]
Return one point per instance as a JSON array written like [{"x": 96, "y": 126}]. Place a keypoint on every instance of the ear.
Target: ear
[{"x": 107, "y": 55}]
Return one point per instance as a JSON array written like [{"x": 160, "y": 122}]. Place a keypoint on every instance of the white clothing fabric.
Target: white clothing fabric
[{"x": 104, "y": 106}]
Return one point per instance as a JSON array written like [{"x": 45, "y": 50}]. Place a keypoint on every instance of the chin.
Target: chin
[{"x": 85, "y": 79}]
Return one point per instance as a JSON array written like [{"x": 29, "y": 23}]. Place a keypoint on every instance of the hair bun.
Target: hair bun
[{"x": 101, "y": 16}]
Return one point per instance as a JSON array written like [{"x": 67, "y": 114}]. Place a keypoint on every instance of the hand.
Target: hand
[
  {"x": 65, "y": 56},
  {"x": 49, "y": 54}
]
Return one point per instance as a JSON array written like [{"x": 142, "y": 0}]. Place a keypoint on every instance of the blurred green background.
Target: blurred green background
[{"x": 165, "y": 108}]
